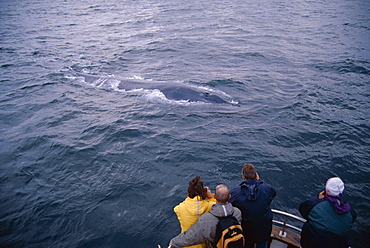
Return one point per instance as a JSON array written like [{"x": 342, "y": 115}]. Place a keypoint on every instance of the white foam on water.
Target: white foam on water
[{"x": 111, "y": 82}]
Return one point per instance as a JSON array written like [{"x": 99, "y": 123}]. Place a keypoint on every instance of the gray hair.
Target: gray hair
[{"x": 222, "y": 193}]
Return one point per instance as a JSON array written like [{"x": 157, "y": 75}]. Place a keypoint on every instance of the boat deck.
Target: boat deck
[{"x": 286, "y": 230}]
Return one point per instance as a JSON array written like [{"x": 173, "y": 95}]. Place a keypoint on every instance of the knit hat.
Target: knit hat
[{"x": 334, "y": 186}]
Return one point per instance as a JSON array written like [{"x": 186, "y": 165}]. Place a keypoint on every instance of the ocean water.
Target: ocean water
[{"x": 89, "y": 164}]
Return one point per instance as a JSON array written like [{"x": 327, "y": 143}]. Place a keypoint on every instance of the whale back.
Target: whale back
[{"x": 171, "y": 90}]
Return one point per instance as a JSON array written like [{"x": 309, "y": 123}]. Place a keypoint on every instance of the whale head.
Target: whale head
[{"x": 191, "y": 94}]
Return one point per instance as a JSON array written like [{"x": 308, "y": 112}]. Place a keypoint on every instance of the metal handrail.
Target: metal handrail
[
  {"x": 285, "y": 224},
  {"x": 288, "y": 215}
]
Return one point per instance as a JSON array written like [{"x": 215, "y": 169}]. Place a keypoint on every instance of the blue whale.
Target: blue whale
[{"x": 171, "y": 90}]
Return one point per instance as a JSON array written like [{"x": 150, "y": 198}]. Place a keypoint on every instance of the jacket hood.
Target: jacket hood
[
  {"x": 340, "y": 207},
  {"x": 194, "y": 206},
  {"x": 251, "y": 189},
  {"x": 190, "y": 209},
  {"x": 222, "y": 209}
]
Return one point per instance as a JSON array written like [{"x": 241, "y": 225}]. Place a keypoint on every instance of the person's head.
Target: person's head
[
  {"x": 196, "y": 188},
  {"x": 334, "y": 186},
  {"x": 222, "y": 193},
  {"x": 249, "y": 172}
]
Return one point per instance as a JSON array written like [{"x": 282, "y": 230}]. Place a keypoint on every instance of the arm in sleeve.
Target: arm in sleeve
[
  {"x": 306, "y": 206},
  {"x": 192, "y": 236},
  {"x": 272, "y": 193},
  {"x": 177, "y": 212},
  {"x": 354, "y": 214},
  {"x": 237, "y": 214},
  {"x": 234, "y": 193}
]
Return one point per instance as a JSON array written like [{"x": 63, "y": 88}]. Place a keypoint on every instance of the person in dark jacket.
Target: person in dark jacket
[
  {"x": 253, "y": 197},
  {"x": 329, "y": 219}
]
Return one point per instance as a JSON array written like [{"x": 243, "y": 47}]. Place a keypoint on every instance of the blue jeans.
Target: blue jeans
[{"x": 258, "y": 245}]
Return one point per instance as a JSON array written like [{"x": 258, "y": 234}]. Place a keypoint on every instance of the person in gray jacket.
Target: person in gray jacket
[{"x": 205, "y": 227}]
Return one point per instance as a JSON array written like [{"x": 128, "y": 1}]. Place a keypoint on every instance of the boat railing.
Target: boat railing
[
  {"x": 286, "y": 229},
  {"x": 286, "y": 216}
]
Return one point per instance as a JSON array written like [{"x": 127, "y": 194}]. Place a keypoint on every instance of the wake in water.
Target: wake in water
[{"x": 182, "y": 93}]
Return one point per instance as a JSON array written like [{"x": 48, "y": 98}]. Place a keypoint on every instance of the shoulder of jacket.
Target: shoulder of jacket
[
  {"x": 266, "y": 185},
  {"x": 313, "y": 201},
  {"x": 235, "y": 190},
  {"x": 207, "y": 217},
  {"x": 180, "y": 204},
  {"x": 319, "y": 201},
  {"x": 236, "y": 210},
  {"x": 210, "y": 201},
  {"x": 316, "y": 203}
]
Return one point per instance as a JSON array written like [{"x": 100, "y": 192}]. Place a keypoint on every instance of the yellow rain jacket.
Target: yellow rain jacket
[{"x": 189, "y": 211}]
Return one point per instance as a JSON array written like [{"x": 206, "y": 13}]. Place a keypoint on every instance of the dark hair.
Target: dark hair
[
  {"x": 196, "y": 187},
  {"x": 249, "y": 171}
]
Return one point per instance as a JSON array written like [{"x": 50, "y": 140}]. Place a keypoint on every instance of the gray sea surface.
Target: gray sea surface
[{"x": 91, "y": 164}]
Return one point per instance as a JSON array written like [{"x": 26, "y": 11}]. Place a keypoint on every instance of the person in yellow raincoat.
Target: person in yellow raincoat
[{"x": 199, "y": 201}]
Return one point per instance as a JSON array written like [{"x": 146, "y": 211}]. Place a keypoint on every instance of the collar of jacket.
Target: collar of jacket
[
  {"x": 251, "y": 181},
  {"x": 250, "y": 188}
]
